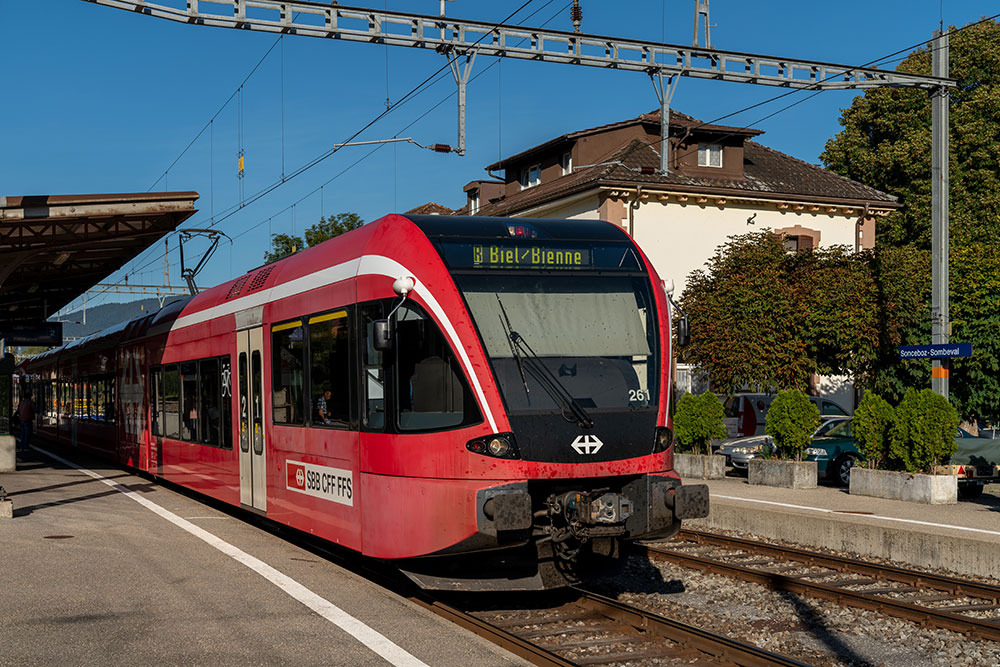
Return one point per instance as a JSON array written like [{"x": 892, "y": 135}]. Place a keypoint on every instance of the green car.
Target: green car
[{"x": 834, "y": 451}]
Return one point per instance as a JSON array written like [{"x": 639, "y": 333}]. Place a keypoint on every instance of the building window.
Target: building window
[
  {"x": 531, "y": 176},
  {"x": 474, "y": 202},
  {"x": 796, "y": 243},
  {"x": 567, "y": 163},
  {"x": 709, "y": 155}
]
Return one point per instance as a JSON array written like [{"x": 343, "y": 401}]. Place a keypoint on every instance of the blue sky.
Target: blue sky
[{"x": 102, "y": 100}]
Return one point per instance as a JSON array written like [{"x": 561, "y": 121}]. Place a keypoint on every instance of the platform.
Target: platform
[
  {"x": 962, "y": 538},
  {"x": 92, "y": 575}
]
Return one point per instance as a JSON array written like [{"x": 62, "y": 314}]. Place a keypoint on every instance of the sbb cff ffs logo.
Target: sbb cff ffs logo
[
  {"x": 331, "y": 484},
  {"x": 587, "y": 444}
]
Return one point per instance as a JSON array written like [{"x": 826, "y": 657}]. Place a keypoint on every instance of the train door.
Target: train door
[{"x": 250, "y": 383}]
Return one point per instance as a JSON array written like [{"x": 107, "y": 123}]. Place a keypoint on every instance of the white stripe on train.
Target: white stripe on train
[{"x": 366, "y": 265}]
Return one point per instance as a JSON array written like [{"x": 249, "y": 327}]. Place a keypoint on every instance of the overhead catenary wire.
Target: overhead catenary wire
[
  {"x": 420, "y": 87},
  {"x": 226, "y": 213}
]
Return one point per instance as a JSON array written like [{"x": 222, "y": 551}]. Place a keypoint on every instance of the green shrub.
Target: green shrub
[
  {"x": 698, "y": 420},
  {"x": 791, "y": 420},
  {"x": 871, "y": 425},
  {"x": 923, "y": 434}
]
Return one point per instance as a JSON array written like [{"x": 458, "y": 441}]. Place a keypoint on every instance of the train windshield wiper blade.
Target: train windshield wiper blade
[{"x": 550, "y": 383}]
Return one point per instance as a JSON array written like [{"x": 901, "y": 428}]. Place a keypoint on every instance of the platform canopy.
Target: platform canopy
[{"x": 54, "y": 247}]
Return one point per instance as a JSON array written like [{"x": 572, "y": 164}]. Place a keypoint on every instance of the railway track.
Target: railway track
[
  {"x": 968, "y": 607},
  {"x": 582, "y": 628}
]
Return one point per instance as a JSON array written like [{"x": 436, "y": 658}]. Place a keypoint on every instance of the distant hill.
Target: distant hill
[{"x": 106, "y": 315}]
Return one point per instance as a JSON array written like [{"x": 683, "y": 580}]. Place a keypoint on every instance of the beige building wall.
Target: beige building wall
[{"x": 680, "y": 238}]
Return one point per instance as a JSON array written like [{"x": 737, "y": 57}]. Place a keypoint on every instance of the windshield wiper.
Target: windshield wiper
[
  {"x": 545, "y": 377},
  {"x": 505, "y": 322}
]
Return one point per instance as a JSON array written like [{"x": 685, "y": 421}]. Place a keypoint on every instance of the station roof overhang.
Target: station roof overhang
[{"x": 54, "y": 247}]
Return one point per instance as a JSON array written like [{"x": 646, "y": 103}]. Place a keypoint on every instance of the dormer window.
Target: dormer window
[
  {"x": 474, "y": 202},
  {"x": 567, "y": 163},
  {"x": 709, "y": 155},
  {"x": 531, "y": 176}
]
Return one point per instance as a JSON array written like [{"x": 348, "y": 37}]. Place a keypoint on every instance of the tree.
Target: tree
[
  {"x": 791, "y": 420},
  {"x": 283, "y": 245},
  {"x": 745, "y": 322},
  {"x": 871, "y": 425},
  {"x": 698, "y": 420},
  {"x": 886, "y": 143},
  {"x": 923, "y": 433},
  {"x": 335, "y": 225}
]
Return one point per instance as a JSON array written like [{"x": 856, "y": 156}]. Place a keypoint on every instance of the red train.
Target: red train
[{"x": 483, "y": 400}]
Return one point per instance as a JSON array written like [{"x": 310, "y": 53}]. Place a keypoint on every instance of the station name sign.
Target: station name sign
[
  {"x": 43, "y": 333},
  {"x": 530, "y": 257},
  {"x": 938, "y": 351}
]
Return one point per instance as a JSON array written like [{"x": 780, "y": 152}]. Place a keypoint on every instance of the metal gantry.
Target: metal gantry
[
  {"x": 459, "y": 38},
  {"x": 450, "y": 35}
]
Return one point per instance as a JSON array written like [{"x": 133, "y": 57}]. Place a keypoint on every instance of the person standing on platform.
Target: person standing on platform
[{"x": 26, "y": 415}]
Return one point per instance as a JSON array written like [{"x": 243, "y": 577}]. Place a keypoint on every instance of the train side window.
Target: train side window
[
  {"x": 287, "y": 372},
  {"x": 244, "y": 405},
  {"x": 109, "y": 411},
  {"x": 431, "y": 390},
  {"x": 189, "y": 401},
  {"x": 257, "y": 389},
  {"x": 208, "y": 371},
  {"x": 226, "y": 380},
  {"x": 373, "y": 380},
  {"x": 156, "y": 401},
  {"x": 330, "y": 369},
  {"x": 171, "y": 401}
]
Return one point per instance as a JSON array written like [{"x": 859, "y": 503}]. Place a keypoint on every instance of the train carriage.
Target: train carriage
[{"x": 482, "y": 400}]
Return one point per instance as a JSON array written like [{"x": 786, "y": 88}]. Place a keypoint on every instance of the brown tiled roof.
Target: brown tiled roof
[
  {"x": 431, "y": 208},
  {"x": 678, "y": 122},
  {"x": 770, "y": 174}
]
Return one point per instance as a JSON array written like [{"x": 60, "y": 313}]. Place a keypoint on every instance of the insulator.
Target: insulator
[{"x": 576, "y": 14}]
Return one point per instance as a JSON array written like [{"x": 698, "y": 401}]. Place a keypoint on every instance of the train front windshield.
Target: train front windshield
[{"x": 559, "y": 336}]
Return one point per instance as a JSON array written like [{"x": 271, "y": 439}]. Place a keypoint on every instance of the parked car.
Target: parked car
[
  {"x": 834, "y": 451},
  {"x": 978, "y": 458},
  {"x": 746, "y": 414},
  {"x": 832, "y": 448},
  {"x": 740, "y": 451}
]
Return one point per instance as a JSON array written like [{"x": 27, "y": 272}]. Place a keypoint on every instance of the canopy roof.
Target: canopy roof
[{"x": 54, "y": 247}]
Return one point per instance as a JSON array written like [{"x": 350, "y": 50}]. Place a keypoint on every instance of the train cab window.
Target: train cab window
[
  {"x": 287, "y": 377},
  {"x": 189, "y": 401},
  {"x": 209, "y": 412},
  {"x": 171, "y": 401},
  {"x": 330, "y": 369},
  {"x": 431, "y": 390},
  {"x": 373, "y": 383},
  {"x": 156, "y": 401}
]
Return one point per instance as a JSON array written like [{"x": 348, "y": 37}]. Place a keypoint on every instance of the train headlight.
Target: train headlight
[
  {"x": 501, "y": 446},
  {"x": 662, "y": 439}
]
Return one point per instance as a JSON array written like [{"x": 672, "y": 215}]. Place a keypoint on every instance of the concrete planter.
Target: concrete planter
[
  {"x": 928, "y": 489},
  {"x": 8, "y": 457},
  {"x": 700, "y": 466},
  {"x": 786, "y": 474}
]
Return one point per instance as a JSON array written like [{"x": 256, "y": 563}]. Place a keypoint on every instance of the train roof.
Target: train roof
[{"x": 475, "y": 227}]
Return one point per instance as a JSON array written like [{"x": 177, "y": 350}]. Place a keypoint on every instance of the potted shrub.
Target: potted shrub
[
  {"x": 697, "y": 422},
  {"x": 916, "y": 438},
  {"x": 791, "y": 420}
]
